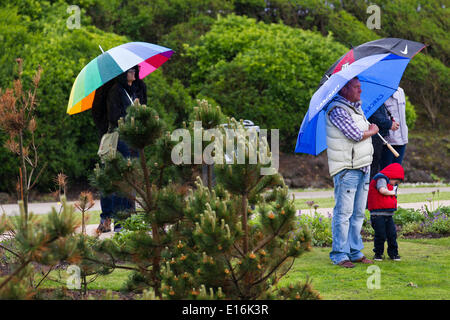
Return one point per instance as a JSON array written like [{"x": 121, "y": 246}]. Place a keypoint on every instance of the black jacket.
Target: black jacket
[
  {"x": 139, "y": 88},
  {"x": 118, "y": 100},
  {"x": 99, "y": 109},
  {"x": 382, "y": 120}
]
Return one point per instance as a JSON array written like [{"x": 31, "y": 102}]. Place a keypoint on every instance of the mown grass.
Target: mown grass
[
  {"x": 114, "y": 281},
  {"x": 421, "y": 275},
  {"x": 93, "y": 216},
  {"x": 402, "y": 198},
  {"x": 403, "y": 186}
]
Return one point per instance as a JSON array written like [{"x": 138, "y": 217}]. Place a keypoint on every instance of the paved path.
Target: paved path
[
  {"x": 413, "y": 205},
  {"x": 43, "y": 208},
  {"x": 330, "y": 193}
]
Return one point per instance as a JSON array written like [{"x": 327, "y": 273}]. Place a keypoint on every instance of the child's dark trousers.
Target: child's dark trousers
[{"x": 384, "y": 230}]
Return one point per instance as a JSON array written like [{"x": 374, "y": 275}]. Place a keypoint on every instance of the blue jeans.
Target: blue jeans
[
  {"x": 350, "y": 194},
  {"x": 112, "y": 204}
]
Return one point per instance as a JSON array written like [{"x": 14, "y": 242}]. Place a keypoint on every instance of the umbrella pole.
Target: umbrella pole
[
  {"x": 389, "y": 146},
  {"x": 386, "y": 143}
]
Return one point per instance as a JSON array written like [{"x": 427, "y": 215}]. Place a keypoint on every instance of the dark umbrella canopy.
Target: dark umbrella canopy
[
  {"x": 379, "y": 65},
  {"x": 400, "y": 47}
]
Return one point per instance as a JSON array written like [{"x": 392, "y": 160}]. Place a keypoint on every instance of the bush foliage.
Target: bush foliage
[
  {"x": 264, "y": 67},
  {"x": 263, "y": 72}
]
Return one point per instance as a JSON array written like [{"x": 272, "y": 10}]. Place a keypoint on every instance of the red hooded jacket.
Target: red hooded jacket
[{"x": 378, "y": 202}]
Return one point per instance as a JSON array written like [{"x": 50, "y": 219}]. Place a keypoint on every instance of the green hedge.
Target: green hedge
[
  {"x": 263, "y": 72},
  {"x": 68, "y": 143}
]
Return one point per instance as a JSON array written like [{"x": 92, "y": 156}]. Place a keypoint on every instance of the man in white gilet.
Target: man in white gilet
[{"x": 349, "y": 154}]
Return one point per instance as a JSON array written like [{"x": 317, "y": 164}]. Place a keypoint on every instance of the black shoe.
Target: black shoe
[
  {"x": 378, "y": 257},
  {"x": 396, "y": 258}
]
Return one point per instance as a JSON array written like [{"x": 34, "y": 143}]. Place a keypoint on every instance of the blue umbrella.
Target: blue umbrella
[{"x": 379, "y": 74}]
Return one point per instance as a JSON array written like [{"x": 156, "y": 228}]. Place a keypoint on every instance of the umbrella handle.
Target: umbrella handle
[{"x": 389, "y": 146}]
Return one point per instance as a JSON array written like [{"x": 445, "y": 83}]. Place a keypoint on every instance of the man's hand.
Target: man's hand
[
  {"x": 395, "y": 126},
  {"x": 373, "y": 129}
]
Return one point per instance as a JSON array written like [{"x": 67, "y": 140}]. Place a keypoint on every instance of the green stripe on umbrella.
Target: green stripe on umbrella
[{"x": 109, "y": 65}]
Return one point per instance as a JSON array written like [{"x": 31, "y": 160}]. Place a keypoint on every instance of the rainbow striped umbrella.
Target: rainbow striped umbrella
[{"x": 109, "y": 65}]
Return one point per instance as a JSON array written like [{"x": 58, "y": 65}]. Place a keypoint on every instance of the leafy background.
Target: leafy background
[{"x": 257, "y": 59}]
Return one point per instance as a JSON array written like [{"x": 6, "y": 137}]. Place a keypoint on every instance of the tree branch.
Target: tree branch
[
  {"x": 270, "y": 273},
  {"x": 5, "y": 248},
  {"x": 24, "y": 264},
  {"x": 269, "y": 238},
  {"x": 235, "y": 281},
  {"x": 44, "y": 277}
]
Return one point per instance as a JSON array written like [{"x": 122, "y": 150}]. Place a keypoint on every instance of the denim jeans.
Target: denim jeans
[
  {"x": 384, "y": 227},
  {"x": 350, "y": 194},
  {"x": 112, "y": 204}
]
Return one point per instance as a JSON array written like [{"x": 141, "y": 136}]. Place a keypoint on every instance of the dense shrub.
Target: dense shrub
[
  {"x": 423, "y": 221},
  {"x": 150, "y": 20},
  {"x": 428, "y": 80},
  {"x": 319, "y": 226},
  {"x": 266, "y": 73},
  {"x": 437, "y": 221},
  {"x": 181, "y": 37},
  {"x": 397, "y": 16},
  {"x": 68, "y": 143},
  {"x": 404, "y": 216}
]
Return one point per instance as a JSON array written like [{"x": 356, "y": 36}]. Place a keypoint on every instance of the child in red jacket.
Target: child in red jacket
[{"x": 382, "y": 203}]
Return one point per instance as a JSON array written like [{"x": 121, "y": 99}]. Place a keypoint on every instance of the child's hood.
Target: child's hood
[{"x": 394, "y": 171}]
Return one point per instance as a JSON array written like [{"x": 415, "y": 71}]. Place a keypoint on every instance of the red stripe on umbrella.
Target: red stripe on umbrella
[{"x": 347, "y": 60}]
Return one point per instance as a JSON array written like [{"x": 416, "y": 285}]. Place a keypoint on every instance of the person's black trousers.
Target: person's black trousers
[
  {"x": 384, "y": 227},
  {"x": 375, "y": 167}
]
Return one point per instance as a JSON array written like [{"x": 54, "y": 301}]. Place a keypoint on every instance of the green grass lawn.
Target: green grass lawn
[
  {"x": 402, "y": 198},
  {"x": 94, "y": 216},
  {"x": 114, "y": 281},
  {"x": 425, "y": 264},
  {"x": 403, "y": 186}
]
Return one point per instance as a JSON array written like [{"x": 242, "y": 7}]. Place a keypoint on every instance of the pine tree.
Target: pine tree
[
  {"x": 210, "y": 118},
  {"x": 46, "y": 242},
  {"x": 17, "y": 119},
  {"x": 239, "y": 239},
  {"x": 233, "y": 241},
  {"x": 141, "y": 180}
]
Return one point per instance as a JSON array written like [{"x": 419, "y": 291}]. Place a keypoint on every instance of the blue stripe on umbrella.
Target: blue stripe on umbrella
[
  {"x": 107, "y": 67},
  {"x": 144, "y": 52},
  {"x": 378, "y": 82}
]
